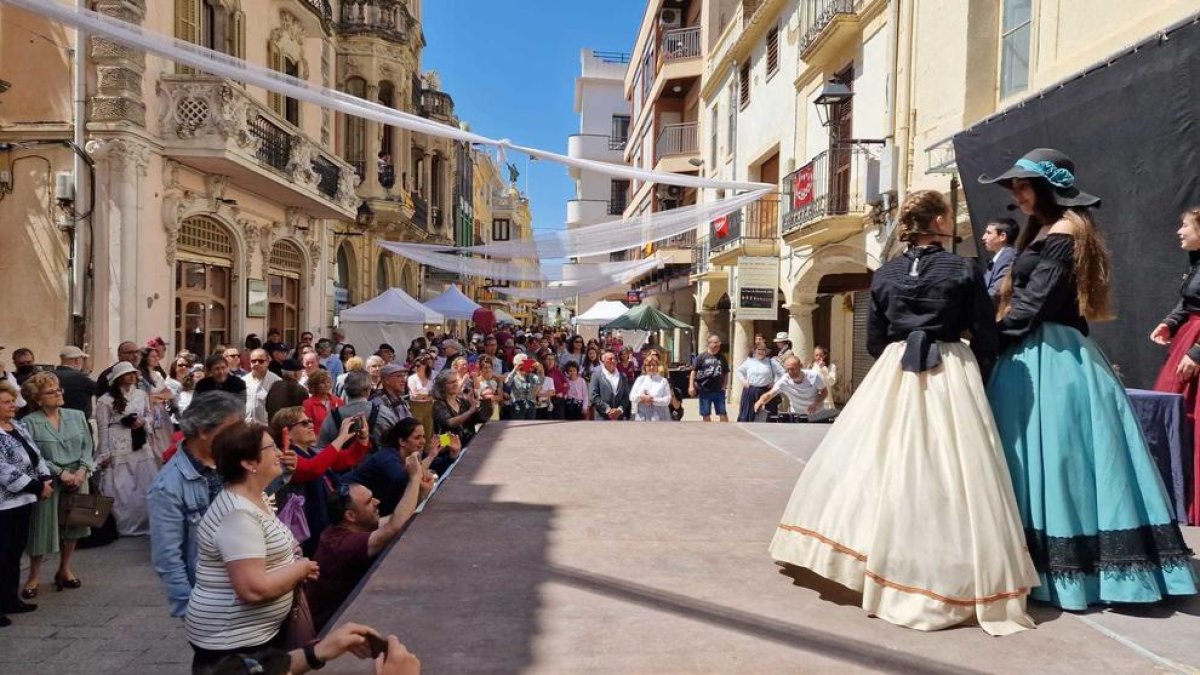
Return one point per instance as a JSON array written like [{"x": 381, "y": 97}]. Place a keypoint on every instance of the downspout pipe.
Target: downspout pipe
[{"x": 81, "y": 234}]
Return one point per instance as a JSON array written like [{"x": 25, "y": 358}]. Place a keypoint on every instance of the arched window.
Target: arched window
[
  {"x": 203, "y": 281},
  {"x": 355, "y": 138},
  {"x": 344, "y": 274},
  {"x": 383, "y": 272},
  {"x": 283, "y": 290},
  {"x": 387, "y": 148}
]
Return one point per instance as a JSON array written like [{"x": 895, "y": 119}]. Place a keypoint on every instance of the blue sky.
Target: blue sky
[{"x": 510, "y": 66}]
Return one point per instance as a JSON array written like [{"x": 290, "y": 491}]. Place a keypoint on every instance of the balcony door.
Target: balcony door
[
  {"x": 841, "y": 152},
  {"x": 283, "y": 290},
  {"x": 203, "y": 286}
]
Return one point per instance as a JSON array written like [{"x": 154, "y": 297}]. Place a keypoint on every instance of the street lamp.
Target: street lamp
[
  {"x": 365, "y": 216},
  {"x": 833, "y": 94}
]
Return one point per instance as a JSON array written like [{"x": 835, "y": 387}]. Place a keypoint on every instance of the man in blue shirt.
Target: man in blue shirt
[{"x": 182, "y": 491}]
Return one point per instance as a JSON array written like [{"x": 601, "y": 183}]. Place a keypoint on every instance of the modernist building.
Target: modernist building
[{"x": 265, "y": 210}]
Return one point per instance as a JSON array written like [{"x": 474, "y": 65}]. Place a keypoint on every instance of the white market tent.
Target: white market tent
[
  {"x": 452, "y": 304},
  {"x": 393, "y": 317},
  {"x": 601, "y": 313},
  {"x": 504, "y": 317}
]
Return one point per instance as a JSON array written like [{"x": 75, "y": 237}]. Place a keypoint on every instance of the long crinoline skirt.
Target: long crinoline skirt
[
  {"x": 908, "y": 501},
  {"x": 1187, "y": 335},
  {"x": 1095, "y": 511}
]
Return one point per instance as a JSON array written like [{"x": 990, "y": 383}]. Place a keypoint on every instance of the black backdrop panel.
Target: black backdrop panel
[{"x": 1131, "y": 128}]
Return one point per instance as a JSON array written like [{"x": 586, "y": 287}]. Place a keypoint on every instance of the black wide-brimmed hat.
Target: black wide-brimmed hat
[{"x": 1051, "y": 166}]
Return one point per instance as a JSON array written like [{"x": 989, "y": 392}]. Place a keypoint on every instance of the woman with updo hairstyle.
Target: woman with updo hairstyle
[
  {"x": 907, "y": 500},
  {"x": 1181, "y": 330},
  {"x": 1096, "y": 514}
]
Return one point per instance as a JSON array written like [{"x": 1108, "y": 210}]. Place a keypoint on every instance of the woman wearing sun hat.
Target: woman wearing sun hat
[{"x": 1096, "y": 516}]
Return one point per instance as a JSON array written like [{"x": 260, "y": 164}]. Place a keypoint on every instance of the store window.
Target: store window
[
  {"x": 283, "y": 290},
  {"x": 203, "y": 285}
]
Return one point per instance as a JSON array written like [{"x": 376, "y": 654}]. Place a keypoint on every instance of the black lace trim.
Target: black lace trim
[{"x": 1146, "y": 548}]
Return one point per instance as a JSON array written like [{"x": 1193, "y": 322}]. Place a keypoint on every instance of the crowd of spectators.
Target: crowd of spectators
[{"x": 268, "y": 477}]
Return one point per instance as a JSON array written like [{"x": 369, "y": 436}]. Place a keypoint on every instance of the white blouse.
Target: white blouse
[
  {"x": 659, "y": 388},
  {"x": 234, "y": 528},
  {"x": 415, "y": 388},
  {"x": 756, "y": 373}
]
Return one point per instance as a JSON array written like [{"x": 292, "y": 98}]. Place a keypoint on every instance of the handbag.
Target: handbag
[
  {"x": 292, "y": 514},
  {"x": 83, "y": 510},
  {"x": 298, "y": 628}
]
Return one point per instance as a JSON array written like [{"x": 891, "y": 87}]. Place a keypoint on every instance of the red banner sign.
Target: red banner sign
[
  {"x": 802, "y": 187},
  {"x": 721, "y": 227}
]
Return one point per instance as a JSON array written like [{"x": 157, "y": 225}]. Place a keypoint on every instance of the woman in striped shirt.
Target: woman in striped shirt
[{"x": 247, "y": 567}]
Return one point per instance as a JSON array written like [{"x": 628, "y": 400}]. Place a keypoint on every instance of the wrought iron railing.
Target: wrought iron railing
[
  {"x": 617, "y": 142},
  {"x": 612, "y": 57},
  {"x": 321, "y": 8},
  {"x": 274, "y": 143},
  {"x": 685, "y": 240},
  {"x": 681, "y": 43},
  {"x": 700, "y": 253},
  {"x": 816, "y": 15},
  {"x": 330, "y": 175},
  {"x": 840, "y": 181},
  {"x": 758, "y": 221},
  {"x": 676, "y": 139}
]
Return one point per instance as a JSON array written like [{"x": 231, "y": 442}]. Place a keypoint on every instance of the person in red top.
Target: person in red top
[
  {"x": 349, "y": 546},
  {"x": 313, "y": 477},
  {"x": 322, "y": 401}
]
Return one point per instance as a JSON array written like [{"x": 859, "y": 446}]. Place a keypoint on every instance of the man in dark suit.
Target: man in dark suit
[
  {"x": 609, "y": 391},
  {"x": 77, "y": 387},
  {"x": 999, "y": 238}
]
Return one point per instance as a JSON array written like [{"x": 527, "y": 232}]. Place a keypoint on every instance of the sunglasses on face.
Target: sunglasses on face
[
  {"x": 301, "y": 423},
  {"x": 258, "y": 361}
]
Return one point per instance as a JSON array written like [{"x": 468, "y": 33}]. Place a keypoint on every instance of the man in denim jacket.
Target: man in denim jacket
[{"x": 183, "y": 490}]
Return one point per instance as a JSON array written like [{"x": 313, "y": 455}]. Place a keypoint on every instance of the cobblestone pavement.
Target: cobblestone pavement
[{"x": 116, "y": 623}]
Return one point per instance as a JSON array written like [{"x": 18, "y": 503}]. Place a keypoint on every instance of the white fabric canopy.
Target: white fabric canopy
[
  {"x": 392, "y": 317},
  {"x": 504, "y": 317},
  {"x": 216, "y": 63},
  {"x": 601, "y": 313},
  {"x": 453, "y": 304},
  {"x": 391, "y": 306}
]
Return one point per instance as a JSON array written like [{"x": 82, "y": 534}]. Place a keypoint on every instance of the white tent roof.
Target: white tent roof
[
  {"x": 601, "y": 313},
  {"x": 453, "y": 304},
  {"x": 391, "y": 306},
  {"x": 504, "y": 316}
]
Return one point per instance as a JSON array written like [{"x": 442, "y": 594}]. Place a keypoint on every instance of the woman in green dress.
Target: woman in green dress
[{"x": 65, "y": 439}]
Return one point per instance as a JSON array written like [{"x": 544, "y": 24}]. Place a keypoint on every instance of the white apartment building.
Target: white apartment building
[{"x": 603, "y": 132}]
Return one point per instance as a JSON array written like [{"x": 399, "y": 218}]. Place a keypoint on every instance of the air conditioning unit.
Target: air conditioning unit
[
  {"x": 670, "y": 192},
  {"x": 670, "y": 18}
]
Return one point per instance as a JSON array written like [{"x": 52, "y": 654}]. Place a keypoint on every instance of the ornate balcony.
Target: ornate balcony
[
  {"x": 388, "y": 19},
  {"x": 827, "y": 24},
  {"x": 215, "y": 126},
  {"x": 753, "y": 231},
  {"x": 437, "y": 104},
  {"x": 830, "y": 197}
]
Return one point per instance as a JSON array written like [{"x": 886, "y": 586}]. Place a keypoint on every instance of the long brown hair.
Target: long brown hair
[{"x": 1093, "y": 263}]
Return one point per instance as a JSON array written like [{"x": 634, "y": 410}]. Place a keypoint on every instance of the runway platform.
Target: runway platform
[{"x": 642, "y": 548}]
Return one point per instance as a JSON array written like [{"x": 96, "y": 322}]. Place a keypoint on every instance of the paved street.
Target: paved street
[
  {"x": 117, "y": 622},
  {"x": 724, "y": 598}
]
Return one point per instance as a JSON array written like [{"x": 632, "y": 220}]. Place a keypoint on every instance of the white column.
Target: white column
[
  {"x": 800, "y": 330},
  {"x": 708, "y": 321},
  {"x": 743, "y": 340},
  {"x": 127, "y": 164}
]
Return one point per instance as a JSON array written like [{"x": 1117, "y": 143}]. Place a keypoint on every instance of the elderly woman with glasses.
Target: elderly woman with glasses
[
  {"x": 24, "y": 480},
  {"x": 321, "y": 400},
  {"x": 295, "y": 428},
  {"x": 453, "y": 413},
  {"x": 247, "y": 570},
  {"x": 65, "y": 439}
]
